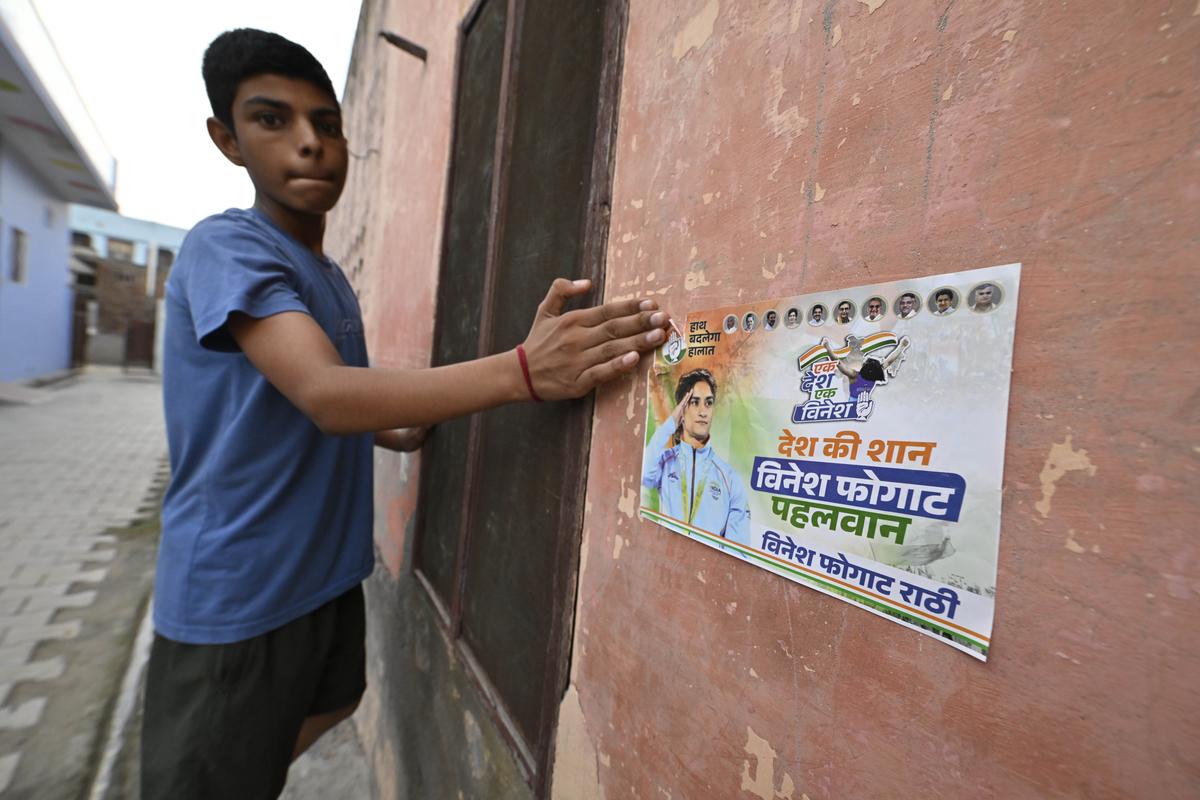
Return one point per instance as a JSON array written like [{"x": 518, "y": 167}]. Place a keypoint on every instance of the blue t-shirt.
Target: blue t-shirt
[{"x": 266, "y": 517}]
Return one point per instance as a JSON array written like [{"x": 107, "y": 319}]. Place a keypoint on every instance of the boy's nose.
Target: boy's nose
[{"x": 308, "y": 142}]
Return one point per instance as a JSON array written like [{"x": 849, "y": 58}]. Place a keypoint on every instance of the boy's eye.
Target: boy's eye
[
  {"x": 269, "y": 119},
  {"x": 330, "y": 128}
]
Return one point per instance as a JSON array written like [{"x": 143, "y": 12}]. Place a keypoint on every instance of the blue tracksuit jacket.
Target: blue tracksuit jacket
[{"x": 721, "y": 506}]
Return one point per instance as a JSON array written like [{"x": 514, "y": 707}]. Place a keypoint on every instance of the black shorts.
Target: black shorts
[{"x": 221, "y": 720}]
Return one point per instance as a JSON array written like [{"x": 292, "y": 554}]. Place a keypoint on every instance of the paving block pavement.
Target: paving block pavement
[
  {"x": 81, "y": 468},
  {"x": 83, "y": 458}
]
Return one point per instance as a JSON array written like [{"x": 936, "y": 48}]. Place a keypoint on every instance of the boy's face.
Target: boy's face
[{"x": 289, "y": 138}]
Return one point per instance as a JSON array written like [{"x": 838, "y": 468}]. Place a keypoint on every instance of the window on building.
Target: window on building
[
  {"x": 529, "y": 182},
  {"x": 18, "y": 259},
  {"x": 166, "y": 259},
  {"x": 120, "y": 249}
]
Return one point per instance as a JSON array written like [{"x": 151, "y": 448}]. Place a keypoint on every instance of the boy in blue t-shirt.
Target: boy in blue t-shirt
[{"x": 271, "y": 417}]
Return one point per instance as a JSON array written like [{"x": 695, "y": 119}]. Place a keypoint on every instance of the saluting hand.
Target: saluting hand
[
  {"x": 571, "y": 353},
  {"x": 677, "y": 414}
]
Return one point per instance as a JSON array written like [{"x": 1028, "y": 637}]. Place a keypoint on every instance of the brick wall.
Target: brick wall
[{"x": 121, "y": 295}]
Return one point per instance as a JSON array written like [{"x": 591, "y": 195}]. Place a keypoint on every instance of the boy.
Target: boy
[{"x": 271, "y": 414}]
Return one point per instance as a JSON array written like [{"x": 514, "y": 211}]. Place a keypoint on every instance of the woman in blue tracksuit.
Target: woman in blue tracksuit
[{"x": 694, "y": 485}]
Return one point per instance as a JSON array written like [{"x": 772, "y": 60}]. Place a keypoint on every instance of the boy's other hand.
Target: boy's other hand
[
  {"x": 571, "y": 353},
  {"x": 402, "y": 440}
]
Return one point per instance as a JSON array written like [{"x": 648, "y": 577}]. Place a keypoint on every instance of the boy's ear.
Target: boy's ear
[{"x": 225, "y": 141}]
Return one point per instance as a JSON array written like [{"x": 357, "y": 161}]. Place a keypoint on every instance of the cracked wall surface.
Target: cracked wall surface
[{"x": 779, "y": 148}]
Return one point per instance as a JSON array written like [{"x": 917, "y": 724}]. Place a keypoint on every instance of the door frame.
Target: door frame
[{"x": 535, "y": 759}]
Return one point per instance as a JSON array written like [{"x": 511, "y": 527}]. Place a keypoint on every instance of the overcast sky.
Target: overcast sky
[{"x": 136, "y": 64}]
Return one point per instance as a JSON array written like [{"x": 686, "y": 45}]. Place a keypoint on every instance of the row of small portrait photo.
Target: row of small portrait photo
[{"x": 984, "y": 298}]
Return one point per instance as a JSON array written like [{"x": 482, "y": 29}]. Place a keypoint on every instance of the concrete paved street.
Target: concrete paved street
[{"x": 82, "y": 465}]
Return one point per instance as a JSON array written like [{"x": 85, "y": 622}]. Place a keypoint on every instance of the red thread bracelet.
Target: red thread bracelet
[{"x": 525, "y": 372}]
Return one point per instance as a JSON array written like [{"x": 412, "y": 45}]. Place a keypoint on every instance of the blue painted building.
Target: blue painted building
[{"x": 51, "y": 154}]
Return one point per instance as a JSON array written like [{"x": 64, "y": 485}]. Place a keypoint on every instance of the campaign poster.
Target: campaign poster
[{"x": 849, "y": 440}]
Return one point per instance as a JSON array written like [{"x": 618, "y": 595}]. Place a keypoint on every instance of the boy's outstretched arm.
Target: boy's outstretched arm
[{"x": 568, "y": 355}]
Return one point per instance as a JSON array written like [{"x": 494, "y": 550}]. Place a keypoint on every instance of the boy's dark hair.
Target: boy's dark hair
[
  {"x": 244, "y": 53},
  {"x": 944, "y": 293},
  {"x": 691, "y": 379}
]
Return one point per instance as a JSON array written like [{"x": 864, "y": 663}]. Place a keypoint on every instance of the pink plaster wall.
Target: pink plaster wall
[{"x": 775, "y": 148}]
